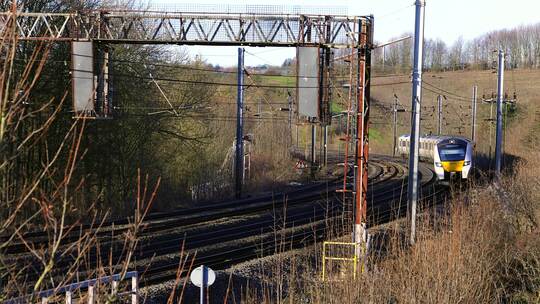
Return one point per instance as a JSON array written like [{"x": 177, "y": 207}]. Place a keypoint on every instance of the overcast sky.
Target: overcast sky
[{"x": 445, "y": 19}]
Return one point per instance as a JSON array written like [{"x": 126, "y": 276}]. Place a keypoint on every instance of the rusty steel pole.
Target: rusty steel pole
[{"x": 362, "y": 149}]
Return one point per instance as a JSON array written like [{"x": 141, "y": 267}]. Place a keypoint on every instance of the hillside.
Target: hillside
[
  {"x": 480, "y": 247},
  {"x": 457, "y": 88}
]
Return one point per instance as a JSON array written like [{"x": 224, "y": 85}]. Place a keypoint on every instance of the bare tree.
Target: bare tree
[{"x": 455, "y": 55}]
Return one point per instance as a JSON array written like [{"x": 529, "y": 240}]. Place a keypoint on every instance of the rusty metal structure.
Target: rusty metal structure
[
  {"x": 352, "y": 34},
  {"x": 357, "y": 133},
  {"x": 117, "y": 26}
]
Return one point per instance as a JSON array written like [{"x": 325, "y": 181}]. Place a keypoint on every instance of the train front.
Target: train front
[{"x": 452, "y": 157}]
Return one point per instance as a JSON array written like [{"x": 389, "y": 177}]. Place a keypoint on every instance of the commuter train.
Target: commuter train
[{"x": 450, "y": 155}]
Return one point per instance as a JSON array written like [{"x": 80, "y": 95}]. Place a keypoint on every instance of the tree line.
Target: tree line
[{"x": 521, "y": 44}]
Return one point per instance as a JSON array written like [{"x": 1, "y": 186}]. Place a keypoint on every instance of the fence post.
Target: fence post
[
  {"x": 114, "y": 289},
  {"x": 68, "y": 297},
  {"x": 91, "y": 294},
  {"x": 135, "y": 290}
]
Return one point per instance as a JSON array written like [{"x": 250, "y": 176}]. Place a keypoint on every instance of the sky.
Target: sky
[{"x": 445, "y": 19}]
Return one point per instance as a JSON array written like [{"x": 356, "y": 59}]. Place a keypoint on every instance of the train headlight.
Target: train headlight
[
  {"x": 466, "y": 163},
  {"x": 437, "y": 164}
]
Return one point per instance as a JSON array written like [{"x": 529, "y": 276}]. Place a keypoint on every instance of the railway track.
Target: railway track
[
  {"x": 158, "y": 221},
  {"x": 226, "y": 233},
  {"x": 301, "y": 231}
]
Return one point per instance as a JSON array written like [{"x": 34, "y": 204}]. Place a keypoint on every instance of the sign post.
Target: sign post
[{"x": 203, "y": 277}]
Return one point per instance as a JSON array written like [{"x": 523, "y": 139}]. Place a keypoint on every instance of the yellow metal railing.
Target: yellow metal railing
[{"x": 354, "y": 259}]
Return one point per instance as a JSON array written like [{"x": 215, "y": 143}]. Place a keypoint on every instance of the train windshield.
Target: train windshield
[{"x": 452, "y": 152}]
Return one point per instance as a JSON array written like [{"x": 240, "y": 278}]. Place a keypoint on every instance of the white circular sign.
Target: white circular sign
[{"x": 202, "y": 275}]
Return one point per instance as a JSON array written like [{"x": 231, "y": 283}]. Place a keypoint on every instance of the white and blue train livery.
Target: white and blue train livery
[{"x": 451, "y": 155}]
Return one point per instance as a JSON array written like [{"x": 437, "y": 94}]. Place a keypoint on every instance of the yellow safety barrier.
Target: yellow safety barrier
[{"x": 354, "y": 259}]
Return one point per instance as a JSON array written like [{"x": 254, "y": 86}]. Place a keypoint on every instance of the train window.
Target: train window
[{"x": 452, "y": 152}]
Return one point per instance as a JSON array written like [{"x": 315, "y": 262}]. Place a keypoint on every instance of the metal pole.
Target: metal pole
[
  {"x": 361, "y": 132},
  {"x": 203, "y": 284},
  {"x": 296, "y": 127},
  {"x": 473, "y": 124},
  {"x": 313, "y": 140},
  {"x": 383, "y": 56},
  {"x": 321, "y": 147},
  {"x": 259, "y": 112},
  {"x": 105, "y": 97},
  {"x": 503, "y": 148},
  {"x": 490, "y": 134},
  {"x": 439, "y": 115},
  {"x": 339, "y": 131},
  {"x": 239, "y": 164},
  {"x": 498, "y": 136},
  {"x": 395, "y": 127},
  {"x": 325, "y": 152},
  {"x": 289, "y": 101},
  {"x": 412, "y": 192}
]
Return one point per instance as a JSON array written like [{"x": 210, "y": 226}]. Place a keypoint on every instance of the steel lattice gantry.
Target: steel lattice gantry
[{"x": 184, "y": 28}]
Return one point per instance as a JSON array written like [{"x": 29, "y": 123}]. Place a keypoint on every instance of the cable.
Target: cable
[
  {"x": 395, "y": 12},
  {"x": 259, "y": 57},
  {"x": 185, "y": 67},
  {"x": 220, "y": 83},
  {"x": 447, "y": 92},
  {"x": 387, "y": 84},
  {"x": 447, "y": 97}
]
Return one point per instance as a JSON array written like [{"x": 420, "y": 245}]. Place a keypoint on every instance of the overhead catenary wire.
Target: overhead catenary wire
[
  {"x": 213, "y": 83},
  {"x": 464, "y": 98},
  {"x": 463, "y": 101},
  {"x": 211, "y": 70},
  {"x": 399, "y": 10}
]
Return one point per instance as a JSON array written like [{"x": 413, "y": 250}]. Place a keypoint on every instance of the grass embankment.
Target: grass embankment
[
  {"x": 484, "y": 247},
  {"x": 456, "y": 108}
]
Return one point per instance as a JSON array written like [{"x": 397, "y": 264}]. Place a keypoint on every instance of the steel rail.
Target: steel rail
[
  {"x": 192, "y": 215},
  {"x": 105, "y": 250},
  {"x": 219, "y": 235}
]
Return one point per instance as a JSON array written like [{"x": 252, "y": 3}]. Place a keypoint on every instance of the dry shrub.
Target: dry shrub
[
  {"x": 455, "y": 260},
  {"x": 474, "y": 251},
  {"x": 453, "y": 264},
  {"x": 42, "y": 196}
]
